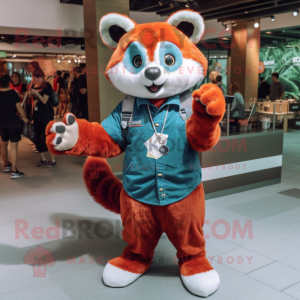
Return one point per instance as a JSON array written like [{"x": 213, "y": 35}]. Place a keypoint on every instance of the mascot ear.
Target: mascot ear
[
  {"x": 189, "y": 22},
  {"x": 112, "y": 27}
]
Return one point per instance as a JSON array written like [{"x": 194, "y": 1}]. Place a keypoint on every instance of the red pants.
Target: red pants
[{"x": 181, "y": 221}]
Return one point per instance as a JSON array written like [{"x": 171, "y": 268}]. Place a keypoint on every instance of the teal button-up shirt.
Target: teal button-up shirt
[{"x": 156, "y": 181}]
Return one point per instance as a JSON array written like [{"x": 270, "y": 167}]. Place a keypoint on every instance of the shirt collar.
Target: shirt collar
[{"x": 171, "y": 100}]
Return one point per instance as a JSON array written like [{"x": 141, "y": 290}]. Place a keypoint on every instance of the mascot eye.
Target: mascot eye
[
  {"x": 137, "y": 61},
  {"x": 169, "y": 60}
]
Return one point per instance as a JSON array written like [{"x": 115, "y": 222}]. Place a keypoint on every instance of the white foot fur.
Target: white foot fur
[
  {"x": 115, "y": 277},
  {"x": 202, "y": 284},
  {"x": 66, "y": 135}
]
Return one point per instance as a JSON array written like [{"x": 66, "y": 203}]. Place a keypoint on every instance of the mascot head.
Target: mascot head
[{"x": 154, "y": 60}]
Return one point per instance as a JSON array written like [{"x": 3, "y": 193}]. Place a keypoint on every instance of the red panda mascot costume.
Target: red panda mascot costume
[{"x": 161, "y": 126}]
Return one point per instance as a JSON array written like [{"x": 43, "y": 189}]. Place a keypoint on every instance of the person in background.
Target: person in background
[
  {"x": 9, "y": 126},
  {"x": 43, "y": 113},
  {"x": 82, "y": 92},
  {"x": 219, "y": 84},
  {"x": 83, "y": 68},
  {"x": 263, "y": 89},
  {"x": 55, "y": 81},
  {"x": 17, "y": 85},
  {"x": 57, "y": 84},
  {"x": 74, "y": 96},
  {"x": 276, "y": 89},
  {"x": 238, "y": 104},
  {"x": 64, "y": 96},
  {"x": 34, "y": 65},
  {"x": 213, "y": 77}
]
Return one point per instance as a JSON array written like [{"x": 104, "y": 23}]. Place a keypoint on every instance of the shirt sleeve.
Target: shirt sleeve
[
  {"x": 82, "y": 84},
  {"x": 112, "y": 124}
]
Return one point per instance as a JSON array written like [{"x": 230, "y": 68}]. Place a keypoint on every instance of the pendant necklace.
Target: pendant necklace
[{"x": 163, "y": 149}]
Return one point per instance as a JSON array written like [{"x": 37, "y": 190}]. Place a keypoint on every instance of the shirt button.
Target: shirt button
[
  {"x": 163, "y": 195},
  {"x": 156, "y": 125},
  {"x": 161, "y": 189},
  {"x": 159, "y": 174}
]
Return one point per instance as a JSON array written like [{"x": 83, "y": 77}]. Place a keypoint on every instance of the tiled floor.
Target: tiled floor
[{"x": 263, "y": 264}]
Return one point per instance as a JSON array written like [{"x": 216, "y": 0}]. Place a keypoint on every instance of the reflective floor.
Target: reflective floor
[{"x": 261, "y": 262}]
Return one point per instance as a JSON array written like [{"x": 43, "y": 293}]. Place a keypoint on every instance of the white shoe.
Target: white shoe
[
  {"x": 202, "y": 284},
  {"x": 116, "y": 277}
]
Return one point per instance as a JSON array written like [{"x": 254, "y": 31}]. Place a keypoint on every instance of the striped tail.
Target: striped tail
[{"x": 102, "y": 184}]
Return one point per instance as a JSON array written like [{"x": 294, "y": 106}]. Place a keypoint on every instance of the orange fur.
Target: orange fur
[
  {"x": 158, "y": 102},
  {"x": 144, "y": 224},
  {"x": 93, "y": 141},
  {"x": 202, "y": 129},
  {"x": 149, "y": 35},
  {"x": 102, "y": 184}
]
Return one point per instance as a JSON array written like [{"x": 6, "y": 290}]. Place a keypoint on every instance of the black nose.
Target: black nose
[{"x": 152, "y": 73}]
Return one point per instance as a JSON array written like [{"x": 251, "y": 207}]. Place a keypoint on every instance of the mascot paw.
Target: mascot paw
[
  {"x": 65, "y": 133},
  {"x": 116, "y": 277},
  {"x": 202, "y": 284},
  {"x": 211, "y": 96}
]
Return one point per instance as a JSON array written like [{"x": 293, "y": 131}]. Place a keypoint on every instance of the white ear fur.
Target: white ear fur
[
  {"x": 191, "y": 17},
  {"x": 113, "y": 19}
]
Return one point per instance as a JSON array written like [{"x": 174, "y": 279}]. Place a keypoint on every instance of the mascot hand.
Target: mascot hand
[
  {"x": 211, "y": 96},
  {"x": 64, "y": 135}
]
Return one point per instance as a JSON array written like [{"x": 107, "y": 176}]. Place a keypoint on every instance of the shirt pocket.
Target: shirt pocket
[
  {"x": 179, "y": 123},
  {"x": 136, "y": 126}
]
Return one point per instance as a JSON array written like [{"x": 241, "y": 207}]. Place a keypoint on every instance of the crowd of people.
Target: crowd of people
[
  {"x": 33, "y": 105},
  {"x": 272, "y": 92}
]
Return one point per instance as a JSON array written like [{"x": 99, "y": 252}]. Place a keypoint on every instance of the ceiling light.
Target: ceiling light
[
  {"x": 79, "y": 60},
  {"x": 295, "y": 13},
  {"x": 159, "y": 2},
  {"x": 234, "y": 24},
  {"x": 58, "y": 61},
  {"x": 225, "y": 39},
  {"x": 227, "y": 28},
  {"x": 246, "y": 12},
  {"x": 272, "y": 18},
  {"x": 268, "y": 32},
  {"x": 256, "y": 25},
  {"x": 63, "y": 58},
  {"x": 14, "y": 56},
  {"x": 187, "y": 6},
  {"x": 75, "y": 60},
  {"x": 69, "y": 61},
  {"x": 2, "y": 37}
]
